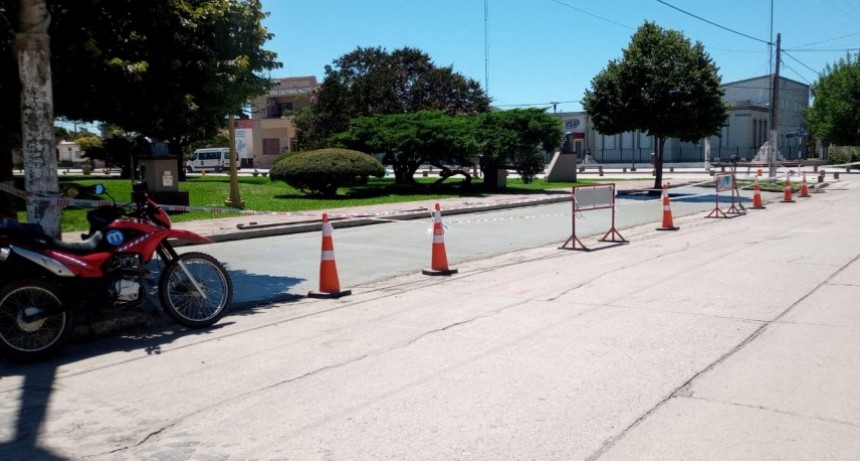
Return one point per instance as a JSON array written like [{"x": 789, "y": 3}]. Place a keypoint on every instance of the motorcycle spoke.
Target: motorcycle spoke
[
  {"x": 22, "y": 335},
  {"x": 188, "y": 301}
]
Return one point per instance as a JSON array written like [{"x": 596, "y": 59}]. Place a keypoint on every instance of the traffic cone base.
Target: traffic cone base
[
  {"x": 329, "y": 295},
  {"x": 329, "y": 283},
  {"x": 438, "y": 272},
  {"x": 439, "y": 259},
  {"x": 668, "y": 224}
]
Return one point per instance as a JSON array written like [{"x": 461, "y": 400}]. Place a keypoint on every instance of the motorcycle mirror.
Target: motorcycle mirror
[{"x": 98, "y": 189}]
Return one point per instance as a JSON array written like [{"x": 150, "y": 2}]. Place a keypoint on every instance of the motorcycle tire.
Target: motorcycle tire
[
  {"x": 22, "y": 341},
  {"x": 180, "y": 298}
]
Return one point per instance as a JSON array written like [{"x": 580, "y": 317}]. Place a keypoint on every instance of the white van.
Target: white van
[{"x": 209, "y": 159}]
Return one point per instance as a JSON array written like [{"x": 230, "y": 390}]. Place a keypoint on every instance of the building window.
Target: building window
[
  {"x": 271, "y": 146},
  {"x": 273, "y": 110}
]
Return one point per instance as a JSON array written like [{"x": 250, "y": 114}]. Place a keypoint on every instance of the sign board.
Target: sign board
[
  {"x": 591, "y": 197},
  {"x": 725, "y": 181},
  {"x": 574, "y": 124},
  {"x": 243, "y": 137}
]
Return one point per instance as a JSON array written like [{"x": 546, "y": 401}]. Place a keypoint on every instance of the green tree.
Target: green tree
[
  {"x": 88, "y": 142},
  {"x": 410, "y": 140},
  {"x": 663, "y": 85},
  {"x": 517, "y": 138},
  {"x": 834, "y": 117},
  {"x": 372, "y": 81},
  {"x": 170, "y": 70}
]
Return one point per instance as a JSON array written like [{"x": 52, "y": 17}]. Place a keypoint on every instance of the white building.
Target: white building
[
  {"x": 746, "y": 129},
  {"x": 69, "y": 151}
]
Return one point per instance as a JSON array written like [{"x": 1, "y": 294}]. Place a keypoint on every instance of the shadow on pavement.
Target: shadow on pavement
[{"x": 150, "y": 334}]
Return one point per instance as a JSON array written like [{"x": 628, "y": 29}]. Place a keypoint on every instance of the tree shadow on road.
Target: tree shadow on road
[{"x": 146, "y": 329}]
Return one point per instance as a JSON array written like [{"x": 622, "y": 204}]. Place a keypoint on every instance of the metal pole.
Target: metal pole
[
  {"x": 486, "y": 47},
  {"x": 774, "y": 114}
]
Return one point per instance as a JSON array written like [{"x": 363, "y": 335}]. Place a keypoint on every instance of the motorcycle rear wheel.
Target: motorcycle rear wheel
[
  {"x": 23, "y": 341},
  {"x": 180, "y": 298}
]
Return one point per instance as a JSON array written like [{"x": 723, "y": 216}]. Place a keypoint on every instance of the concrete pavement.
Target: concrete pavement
[{"x": 731, "y": 339}]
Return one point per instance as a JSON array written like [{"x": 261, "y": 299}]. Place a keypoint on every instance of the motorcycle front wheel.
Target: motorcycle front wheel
[
  {"x": 34, "y": 324},
  {"x": 199, "y": 304}
]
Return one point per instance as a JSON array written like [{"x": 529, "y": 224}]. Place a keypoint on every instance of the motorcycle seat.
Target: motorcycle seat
[
  {"x": 13, "y": 228},
  {"x": 86, "y": 246}
]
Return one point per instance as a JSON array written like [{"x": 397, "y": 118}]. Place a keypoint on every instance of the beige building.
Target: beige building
[{"x": 273, "y": 129}]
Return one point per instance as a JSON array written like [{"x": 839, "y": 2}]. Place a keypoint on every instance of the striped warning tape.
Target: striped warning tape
[{"x": 383, "y": 214}]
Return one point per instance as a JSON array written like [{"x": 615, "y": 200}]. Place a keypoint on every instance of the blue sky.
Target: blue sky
[{"x": 543, "y": 51}]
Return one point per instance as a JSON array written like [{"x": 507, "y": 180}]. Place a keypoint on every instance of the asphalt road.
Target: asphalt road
[{"x": 280, "y": 267}]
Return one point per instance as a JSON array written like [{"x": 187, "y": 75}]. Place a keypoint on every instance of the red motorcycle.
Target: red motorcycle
[{"x": 46, "y": 283}]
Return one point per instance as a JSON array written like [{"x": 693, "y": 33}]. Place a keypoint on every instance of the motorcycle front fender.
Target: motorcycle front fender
[{"x": 181, "y": 234}]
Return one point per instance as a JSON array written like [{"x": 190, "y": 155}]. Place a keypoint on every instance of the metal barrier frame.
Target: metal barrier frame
[
  {"x": 726, "y": 182},
  {"x": 591, "y": 199}
]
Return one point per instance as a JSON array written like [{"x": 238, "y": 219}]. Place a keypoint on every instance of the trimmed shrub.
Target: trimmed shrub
[
  {"x": 324, "y": 171},
  {"x": 284, "y": 155},
  {"x": 841, "y": 155}
]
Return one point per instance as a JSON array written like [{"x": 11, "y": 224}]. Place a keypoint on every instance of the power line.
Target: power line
[
  {"x": 592, "y": 14},
  {"x": 796, "y": 72},
  {"x": 548, "y": 104},
  {"x": 828, "y": 40},
  {"x": 800, "y": 62},
  {"x": 715, "y": 24},
  {"x": 822, "y": 50},
  {"x": 840, "y": 8}
]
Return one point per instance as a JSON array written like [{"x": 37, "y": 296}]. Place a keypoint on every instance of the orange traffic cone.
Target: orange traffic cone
[
  {"x": 329, "y": 283},
  {"x": 667, "y": 212},
  {"x": 804, "y": 188},
  {"x": 757, "y": 203},
  {"x": 439, "y": 260},
  {"x": 786, "y": 195}
]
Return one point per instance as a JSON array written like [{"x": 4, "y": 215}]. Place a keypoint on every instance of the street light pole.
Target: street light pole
[{"x": 235, "y": 200}]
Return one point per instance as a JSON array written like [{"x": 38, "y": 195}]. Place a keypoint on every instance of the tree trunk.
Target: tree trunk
[
  {"x": 658, "y": 166},
  {"x": 175, "y": 147},
  {"x": 32, "y": 47},
  {"x": 404, "y": 173},
  {"x": 7, "y": 201}
]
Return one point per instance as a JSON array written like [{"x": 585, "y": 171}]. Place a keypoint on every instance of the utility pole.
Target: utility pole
[
  {"x": 486, "y": 47},
  {"x": 774, "y": 114}
]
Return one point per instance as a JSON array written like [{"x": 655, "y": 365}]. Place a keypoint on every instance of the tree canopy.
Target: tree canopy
[
  {"x": 834, "y": 117},
  {"x": 372, "y": 81},
  {"x": 663, "y": 85},
  {"x": 170, "y": 70},
  {"x": 516, "y": 138}
]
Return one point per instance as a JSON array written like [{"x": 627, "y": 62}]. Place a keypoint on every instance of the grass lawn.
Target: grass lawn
[{"x": 263, "y": 194}]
